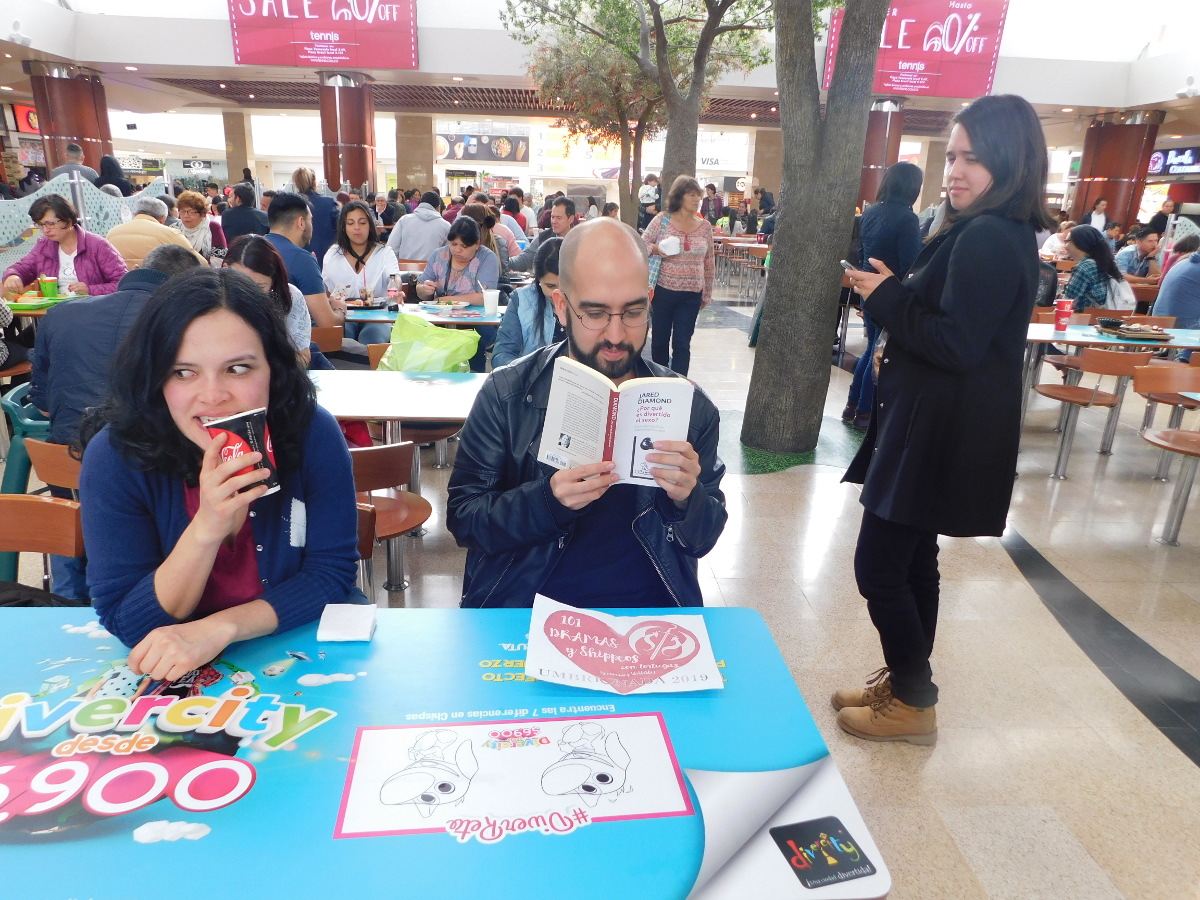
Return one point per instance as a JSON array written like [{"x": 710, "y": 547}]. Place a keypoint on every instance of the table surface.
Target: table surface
[
  {"x": 397, "y": 396},
  {"x": 743, "y": 752},
  {"x": 413, "y": 309},
  {"x": 1076, "y": 335}
]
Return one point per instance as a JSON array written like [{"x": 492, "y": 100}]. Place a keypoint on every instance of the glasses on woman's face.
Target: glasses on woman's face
[
  {"x": 49, "y": 224},
  {"x": 597, "y": 319}
]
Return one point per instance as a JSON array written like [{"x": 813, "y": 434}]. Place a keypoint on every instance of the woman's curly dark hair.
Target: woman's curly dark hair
[{"x": 136, "y": 411}]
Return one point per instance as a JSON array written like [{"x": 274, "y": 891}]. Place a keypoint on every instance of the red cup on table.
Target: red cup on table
[{"x": 1062, "y": 313}]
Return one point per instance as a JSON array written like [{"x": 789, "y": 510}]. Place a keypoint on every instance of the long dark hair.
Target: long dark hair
[
  {"x": 901, "y": 184},
  {"x": 259, "y": 255},
  {"x": 343, "y": 239},
  {"x": 1093, "y": 242},
  {"x": 136, "y": 412},
  {"x": 545, "y": 260},
  {"x": 1007, "y": 139}
]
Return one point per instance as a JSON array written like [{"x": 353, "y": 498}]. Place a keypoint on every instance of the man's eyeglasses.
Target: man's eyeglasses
[
  {"x": 598, "y": 319},
  {"x": 49, "y": 224}
]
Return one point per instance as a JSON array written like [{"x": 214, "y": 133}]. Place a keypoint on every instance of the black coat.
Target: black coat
[
  {"x": 941, "y": 450},
  {"x": 239, "y": 220}
]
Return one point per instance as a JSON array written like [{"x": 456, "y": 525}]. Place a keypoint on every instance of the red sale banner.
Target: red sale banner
[
  {"x": 933, "y": 48},
  {"x": 326, "y": 34}
]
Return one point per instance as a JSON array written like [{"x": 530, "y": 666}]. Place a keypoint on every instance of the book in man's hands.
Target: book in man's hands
[{"x": 589, "y": 419}]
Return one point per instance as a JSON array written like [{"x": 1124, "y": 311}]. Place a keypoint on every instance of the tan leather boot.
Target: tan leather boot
[
  {"x": 890, "y": 719},
  {"x": 879, "y": 687}
]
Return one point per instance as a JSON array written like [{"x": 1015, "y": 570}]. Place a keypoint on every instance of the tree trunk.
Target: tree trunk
[
  {"x": 683, "y": 126},
  {"x": 629, "y": 203},
  {"x": 822, "y": 162},
  {"x": 623, "y": 174}
]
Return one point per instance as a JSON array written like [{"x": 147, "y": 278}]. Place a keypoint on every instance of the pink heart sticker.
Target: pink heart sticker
[{"x": 625, "y": 662}]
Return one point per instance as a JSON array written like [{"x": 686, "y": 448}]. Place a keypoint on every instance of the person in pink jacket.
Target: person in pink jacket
[{"x": 83, "y": 263}]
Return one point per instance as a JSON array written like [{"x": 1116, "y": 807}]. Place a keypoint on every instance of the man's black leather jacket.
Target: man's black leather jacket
[{"x": 502, "y": 510}]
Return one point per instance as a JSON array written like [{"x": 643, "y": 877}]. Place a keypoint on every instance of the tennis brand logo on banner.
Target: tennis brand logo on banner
[
  {"x": 933, "y": 48},
  {"x": 376, "y": 34}
]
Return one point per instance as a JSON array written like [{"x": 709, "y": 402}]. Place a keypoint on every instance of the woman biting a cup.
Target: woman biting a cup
[{"x": 186, "y": 551}]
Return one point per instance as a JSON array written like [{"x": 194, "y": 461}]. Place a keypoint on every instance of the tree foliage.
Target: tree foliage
[
  {"x": 611, "y": 101},
  {"x": 822, "y": 160},
  {"x": 683, "y": 45}
]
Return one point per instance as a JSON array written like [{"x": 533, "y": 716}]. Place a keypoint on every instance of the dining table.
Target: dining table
[
  {"x": 1078, "y": 337},
  {"x": 425, "y": 762},
  {"x": 463, "y": 317}
]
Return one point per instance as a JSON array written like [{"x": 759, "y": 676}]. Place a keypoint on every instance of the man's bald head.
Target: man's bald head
[{"x": 605, "y": 243}]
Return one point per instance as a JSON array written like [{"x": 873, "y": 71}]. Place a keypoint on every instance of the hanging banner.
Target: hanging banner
[
  {"x": 933, "y": 48},
  {"x": 327, "y": 34}
]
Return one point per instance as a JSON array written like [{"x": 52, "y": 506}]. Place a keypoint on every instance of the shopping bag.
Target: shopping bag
[
  {"x": 1120, "y": 294},
  {"x": 419, "y": 346}
]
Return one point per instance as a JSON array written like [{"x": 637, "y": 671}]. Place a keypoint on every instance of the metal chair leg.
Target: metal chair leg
[
  {"x": 1148, "y": 415},
  {"x": 395, "y": 566},
  {"x": 1114, "y": 415},
  {"x": 1179, "y": 501},
  {"x": 441, "y": 451},
  {"x": 1064, "y": 442},
  {"x": 1164, "y": 456}
]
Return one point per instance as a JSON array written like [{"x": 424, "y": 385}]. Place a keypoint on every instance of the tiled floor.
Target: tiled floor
[{"x": 1046, "y": 782}]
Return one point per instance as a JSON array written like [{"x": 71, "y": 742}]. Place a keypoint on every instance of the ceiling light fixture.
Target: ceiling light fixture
[
  {"x": 456, "y": 78},
  {"x": 170, "y": 110},
  {"x": 773, "y": 109},
  {"x": 754, "y": 115},
  {"x": 251, "y": 96},
  {"x": 1067, "y": 109},
  {"x": 221, "y": 85},
  {"x": 131, "y": 68},
  {"x": 1177, "y": 137},
  {"x": 5, "y": 87}
]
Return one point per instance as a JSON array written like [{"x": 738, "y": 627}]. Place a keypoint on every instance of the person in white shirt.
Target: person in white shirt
[
  {"x": 1098, "y": 217},
  {"x": 1056, "y": 245},
  {"x": 358, "y": 266}
]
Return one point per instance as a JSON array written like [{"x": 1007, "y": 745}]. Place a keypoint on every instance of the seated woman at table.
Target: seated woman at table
[
  {"x": 188, "y": 553},
  {"x": 529, "y": 322},
  {"x": 357, "y": 265},
  {"x": 1095, "y": 274},
  {"x": 204, "y": 234},
  {"x": 463, "y": 270},
  {"x": 256, "y": 258},
  {"x": 83, "y": 262}
]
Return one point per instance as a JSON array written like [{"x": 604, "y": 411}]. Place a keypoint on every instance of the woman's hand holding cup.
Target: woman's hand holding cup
[{"x": 223, "y": 500}]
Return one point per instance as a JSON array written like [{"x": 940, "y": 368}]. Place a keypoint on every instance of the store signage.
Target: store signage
[
  {"x": 481, "y": 147},
  {"x": 27, "y": 118},
  {"x": 327, "y": 34},
  {"x": 1184, "y": 161},
  {"x": 198, "y": 165},
  {"x": 933, "y": 48}
]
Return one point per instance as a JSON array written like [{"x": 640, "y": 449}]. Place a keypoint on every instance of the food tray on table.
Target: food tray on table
[
  {"x": 442, "y": 305},
  {"x": 32, "y": 300},
  {"x": 1137, "y": 332},
  {"x": 373, "y": 303}
]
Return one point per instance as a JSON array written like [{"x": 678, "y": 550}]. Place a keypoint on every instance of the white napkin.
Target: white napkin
[
  {"x": 669, "y": 245},
  {"x": 347, "y": 622}
]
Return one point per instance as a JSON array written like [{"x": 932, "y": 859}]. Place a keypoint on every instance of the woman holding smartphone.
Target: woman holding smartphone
[{"x": 939, "y": 456}]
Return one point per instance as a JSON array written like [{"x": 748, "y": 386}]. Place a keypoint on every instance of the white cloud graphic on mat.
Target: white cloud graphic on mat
[
  {"x": 162, "y": 830},
  {"x": 81, "y": 629},
  {"x": 313, "y": 680}
]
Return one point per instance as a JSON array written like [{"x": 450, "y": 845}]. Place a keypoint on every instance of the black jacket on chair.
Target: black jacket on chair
[
  {"x": 502, "y": 510},
  {"x": 941, "y": 450}
]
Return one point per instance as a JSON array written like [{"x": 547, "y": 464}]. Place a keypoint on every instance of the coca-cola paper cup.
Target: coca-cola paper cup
[{"x": 247, "y": 432}]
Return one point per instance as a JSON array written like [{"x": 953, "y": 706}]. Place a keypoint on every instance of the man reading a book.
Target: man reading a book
[{"x": 575, "y": 534}]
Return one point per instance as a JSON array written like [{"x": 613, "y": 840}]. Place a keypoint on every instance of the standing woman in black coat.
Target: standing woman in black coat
[{"x": 940, "y": 454}]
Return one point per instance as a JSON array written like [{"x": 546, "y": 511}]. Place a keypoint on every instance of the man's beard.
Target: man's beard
[{"x": 612, "y": 370}]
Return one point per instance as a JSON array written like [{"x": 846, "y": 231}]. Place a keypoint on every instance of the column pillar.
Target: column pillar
[
  {"x": 415, "y": 152},
  {"x": 71, "y": 108},
  {"x": 347, "y": 128},
  {"x": 1116, "y": 152},
  {"x": 933, "y": 169},
  {"x": 882, "y": 146},
  {"x": 239, "y": 144},
  {"x": 766, "y": 162}
]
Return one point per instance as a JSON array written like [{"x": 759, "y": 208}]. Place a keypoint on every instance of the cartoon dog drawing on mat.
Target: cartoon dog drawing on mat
[
  {"x": 590, "y": 767},
  {"x": 434, "y": 777}
]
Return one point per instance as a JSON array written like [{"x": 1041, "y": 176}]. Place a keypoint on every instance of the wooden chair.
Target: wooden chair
[
  {"x": 21, "y": 368},
  {"x": 757, "y": 268},
  {"x": 366, "y": 549},
  {"x": 328, "y": 338},
  {"x": 381, "y": 473},
  {"x": 54, "y": 464},
  {"x": 1165, "y": 388},
  {"x": 1073, "y": 397},
  {"x": 45, "y": 525}
]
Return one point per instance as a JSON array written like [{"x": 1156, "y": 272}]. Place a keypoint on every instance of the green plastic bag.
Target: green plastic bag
[{"x": 418, "y": 346}]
